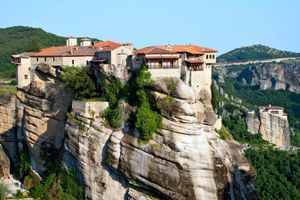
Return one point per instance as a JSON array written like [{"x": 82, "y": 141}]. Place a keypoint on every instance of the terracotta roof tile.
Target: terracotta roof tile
[
  {"x": 107, "y": 44},
  {"x": 154, "y": 50},
  {"x": 67, "y": 51},
  {"x": 192, "y": 49}
]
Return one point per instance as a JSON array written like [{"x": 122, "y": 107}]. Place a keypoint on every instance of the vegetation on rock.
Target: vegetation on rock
[
  {"x": 80, "y": 80},
  {"x": 254, "y": 52}
]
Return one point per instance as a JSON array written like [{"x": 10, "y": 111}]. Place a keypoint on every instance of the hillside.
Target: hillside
[
  {"x": 254, "y": 52},
  {"x": 19, "y": 39}
]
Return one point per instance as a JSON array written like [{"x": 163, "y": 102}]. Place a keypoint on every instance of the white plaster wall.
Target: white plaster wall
[
  {"x": 78, "y": 60},
  {"x": 23, "y": 69},
  {"x": 119, "y": 56},
  {"x": 210, "y": 60},
  {"x": 201, "y": 79},
  {"x": 176, "y": 72},
  {"x": 89, "y": 109}
]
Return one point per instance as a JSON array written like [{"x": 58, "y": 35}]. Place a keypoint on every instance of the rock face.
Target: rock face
[
  {"x": 185, "y": 160},
  {"x": 10, "y": 124},
  {"x": 283, "y": 75},
  {"x": 4, "y": 164},
  {"x": 85, "y": 151},
  {"x": 274, "y": 128},
  {"x": 45, "y": 101}
]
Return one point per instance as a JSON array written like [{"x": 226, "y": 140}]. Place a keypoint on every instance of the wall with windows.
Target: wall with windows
[
  {"x": 119, "y": 56},
  {"x": 210, "y": 58},
  {"x": 23, "y": 72},
  {"x": 76, "y": 61}
]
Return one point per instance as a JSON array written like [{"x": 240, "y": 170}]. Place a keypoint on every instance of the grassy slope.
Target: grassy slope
[{"x": 254, "y": 52}]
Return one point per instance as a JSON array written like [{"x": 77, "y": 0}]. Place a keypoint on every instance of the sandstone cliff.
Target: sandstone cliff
[
  {"x": 274, "y": 128},
  {"x": 283, "y": 75},
  {"x": 185, "y": 160},
  {"x": 45, "y": 101}
]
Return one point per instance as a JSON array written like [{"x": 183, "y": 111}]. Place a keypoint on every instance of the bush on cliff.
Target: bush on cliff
[
  {"x": 147, "y": 119},
  {"x": 80, "y": 80},
  {"x": 23, "y": 164}
]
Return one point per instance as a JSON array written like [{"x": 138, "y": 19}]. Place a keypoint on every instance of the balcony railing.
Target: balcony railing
[{"x": 164, "y": 67}]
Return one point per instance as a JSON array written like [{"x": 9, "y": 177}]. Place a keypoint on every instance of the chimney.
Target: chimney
[
  {"x": 85, "y": 42},
  {"x": 71, "y": 41}
]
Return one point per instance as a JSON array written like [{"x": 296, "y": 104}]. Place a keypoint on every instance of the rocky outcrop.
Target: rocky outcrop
[
  {"x": 274, "y": 128},
  {"x": 185, "y": 160},
  {"x": 4, "y": 164},
  {"x": 45, "y": 101},
  {"x": 85, "y": 151},
  {"x": 10, "y": 124},
  {"x": 282, "y": 75}
]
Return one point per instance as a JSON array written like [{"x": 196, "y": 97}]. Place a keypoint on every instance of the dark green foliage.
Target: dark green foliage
[
  {"x": 113, "y": 90},
  {"x": 19, "y": 39},
  {"x": 214, "y": 102},
  {"x": 254, "y": 52},
  {"x": 113, "y": 116},
  {"x": 35, "y": 46},
  {"x": 80, "y": 80},
  {"x": 278, "y": 173},
  {"x": 71, "y": 185},
  {"x": 147, "y": 119},
  {"x": 50, "y": 154},
  {"x": 23, "y": 164},
  {"x": 41, "y": 190},
  {"x": 224, "y": 133},
  {"x": 253, "y": 96}
]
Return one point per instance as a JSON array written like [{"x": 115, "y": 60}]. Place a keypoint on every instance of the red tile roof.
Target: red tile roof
[
  {"x": 192, "y": 49},
  {"x": 107, "y": 44},
  {"x": 154, "y": 50},
  {"x": 162, "y": 57},
  {"x": 24, "y": 54},
  {"x": 66, "y": 51}
]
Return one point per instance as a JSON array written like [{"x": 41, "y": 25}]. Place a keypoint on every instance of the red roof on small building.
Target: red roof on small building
[
  {"x": 66, "y": 51},
  {"x": 171, "y": 49},
  {"x": 107, "y": 44}
]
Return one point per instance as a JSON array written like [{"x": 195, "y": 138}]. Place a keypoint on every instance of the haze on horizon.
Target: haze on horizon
[{"x": 223, "y": 25}]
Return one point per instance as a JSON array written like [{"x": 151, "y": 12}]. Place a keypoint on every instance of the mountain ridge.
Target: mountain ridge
[{"x": 254, "y": 52}]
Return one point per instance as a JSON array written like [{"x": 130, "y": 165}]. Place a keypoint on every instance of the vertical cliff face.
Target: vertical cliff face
[
  {"x": 185, "y": 160},
  {"x": 45, "y": 103},
  {"x": 85, "y": 151},
  {"x": 274, "y": 128}
]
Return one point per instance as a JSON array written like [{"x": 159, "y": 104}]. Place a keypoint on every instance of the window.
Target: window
[
  {"x": 87, "y": 62},
  {"x": 72, "y": 62},
  {"x": 25, "y": 76},
  {"x": 37, "y": 59},
  {"x": 210, "y": 56},
  {"x": 53, "y": 59},
  {"x": 206, "y": 56},
  {"x": 45, "y": 59},
  {"x": 214, "y": 56}
]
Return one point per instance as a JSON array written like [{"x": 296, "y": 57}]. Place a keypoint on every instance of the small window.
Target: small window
[
  {"x": 72, "y": 62},
  {"x": 214, "y": 56},
  {"x": 37, "y": 59},
  {"x": 45, "y": 59},
  {"x": 210, "y": 56},
  {"x": 53, "y": 59},
  {"x": 25, "y": 76},
  {"x": 87, "y": 62},
  {"x": 206, "y": 56}
]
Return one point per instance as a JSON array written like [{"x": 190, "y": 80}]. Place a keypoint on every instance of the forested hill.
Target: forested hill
[
  {"x": 19, "y": 39},
  {"x": 254, "y": 52}
]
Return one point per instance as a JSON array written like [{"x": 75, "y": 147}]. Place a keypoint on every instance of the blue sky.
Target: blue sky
[{"x": 220, "y": 24}]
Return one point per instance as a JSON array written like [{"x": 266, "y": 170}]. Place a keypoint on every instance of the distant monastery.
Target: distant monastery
[{"x": 193, "y": 64}]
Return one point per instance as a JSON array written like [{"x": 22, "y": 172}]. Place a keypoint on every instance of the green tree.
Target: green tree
[
  {"x": 35, "y": 46},
  {"x": 80, "y": 80}
]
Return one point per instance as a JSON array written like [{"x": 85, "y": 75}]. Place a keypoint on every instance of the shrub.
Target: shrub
[
  {"x": 3, "y": 191},
  {"x": 71, "y": 185},
  {"x": 224, "y": 133},
  {"x": 79, "y": 79},
  {"x": 113, "y": 116},
  {"x": 23, "y": 164},
  {"x": 31, "y": 180},
  {"x": 147, "y": 121}
]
